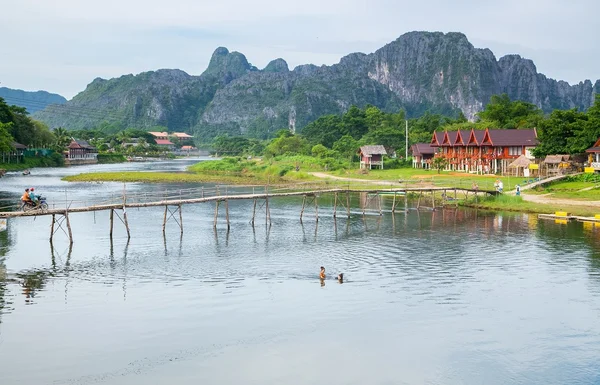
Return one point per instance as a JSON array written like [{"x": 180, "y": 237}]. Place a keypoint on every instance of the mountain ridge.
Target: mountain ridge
[
  {"x": 419, "y": 71},
  {"x": 33, "y": 101}
]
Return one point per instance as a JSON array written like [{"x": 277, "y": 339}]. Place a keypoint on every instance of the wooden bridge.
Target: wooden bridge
[{"x": 174, "y": 200}]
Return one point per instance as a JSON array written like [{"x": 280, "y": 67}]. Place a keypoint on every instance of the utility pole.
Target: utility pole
[{"x": 406, "y": 155}]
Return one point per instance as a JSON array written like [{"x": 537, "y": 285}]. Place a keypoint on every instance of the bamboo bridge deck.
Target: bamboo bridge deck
[{"x": 173, "y": 201}]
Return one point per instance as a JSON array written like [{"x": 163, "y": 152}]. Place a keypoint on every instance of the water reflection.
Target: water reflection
[{"x": 419, "y": 287}]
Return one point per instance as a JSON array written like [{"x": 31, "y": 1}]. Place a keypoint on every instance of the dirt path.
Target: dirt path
[
  {"x": 548, "y": 199},
  {"x": 327, "y": 176},
  {"x": 388, "y": 183}
]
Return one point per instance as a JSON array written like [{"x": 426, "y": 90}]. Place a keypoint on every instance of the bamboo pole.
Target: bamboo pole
[
  {"x": 126, "y": 222},
  {"x": 302, "y": 209},
  {"x": 112, "y": 216},
  {"x": 433, "y": 199},
  {"x": 335, "y": 198},
  {"x": 227, "y": 213},
  {"x": 165, "y": 219},
  {"x": 419, "y": 200},
  {"x": 69, "y": 227},
  {"x": 216, "y": 213},
  {"x": 379, "y": 203},
  {"x": 52, "y": 227},
  {"x": 253, "y": 211},
  {"x": 348, "y": 203},
  {"x": 406, "y": 201},
  {"x": 180, "y": 219},
  {"x": 394, "y": 204},
  {"x": 317, "y": 208}
]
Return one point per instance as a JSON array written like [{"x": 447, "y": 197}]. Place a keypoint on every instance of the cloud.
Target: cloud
[{"x": 63, "y": 45}]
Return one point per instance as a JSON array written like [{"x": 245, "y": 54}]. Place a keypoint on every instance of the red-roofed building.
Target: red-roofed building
[
  {"x": 165, "y": 143},
  {"x": 488, "y": 151},
  {"x": 594, "y": 155},
  {"x": 422, "y": 155}
]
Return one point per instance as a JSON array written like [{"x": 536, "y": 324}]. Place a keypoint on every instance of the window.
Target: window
[{"x": 514, "y": 151}]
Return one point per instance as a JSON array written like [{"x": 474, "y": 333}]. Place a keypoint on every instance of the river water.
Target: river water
[{"x": 445, "y": 297}]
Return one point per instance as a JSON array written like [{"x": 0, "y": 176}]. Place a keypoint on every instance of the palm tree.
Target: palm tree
[
  {"x": 123, "y": 137},
  {"x": 62, "y": 137}
]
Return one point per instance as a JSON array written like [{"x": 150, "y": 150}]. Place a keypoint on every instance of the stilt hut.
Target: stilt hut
[{"x": 520, "y": 166}]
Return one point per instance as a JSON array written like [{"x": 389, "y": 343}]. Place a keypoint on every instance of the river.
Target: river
[{"x": 445, "y": 297}]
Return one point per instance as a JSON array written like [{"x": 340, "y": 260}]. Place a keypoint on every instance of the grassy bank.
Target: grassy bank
[
  {"x": 581, "y": 187},
  {"x": 54, "y": 160},
  {"x": 152, "y": 177},
  {"x": 111, "y": 158},
  {"x": 516, "y": 203}
]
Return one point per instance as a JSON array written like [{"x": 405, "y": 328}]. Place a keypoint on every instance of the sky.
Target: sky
[{"x": 62, "y": 45}]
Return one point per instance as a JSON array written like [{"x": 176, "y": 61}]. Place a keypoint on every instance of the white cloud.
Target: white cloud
[{"x": 63, "y": 45}]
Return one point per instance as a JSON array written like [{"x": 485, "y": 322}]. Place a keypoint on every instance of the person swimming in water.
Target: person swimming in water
[
  {"x": 322, "y": 273},
  {"x": 340, "y": 277}
]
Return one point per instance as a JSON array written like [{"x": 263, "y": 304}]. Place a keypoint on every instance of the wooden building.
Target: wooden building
[
  {"x": 594, "y": 155},
  {"x": 484, "y": 151},
  {"x": 371, "y": 156},
  {"x": 81, "y": 149},
  {"x": 422, "y": 155}
]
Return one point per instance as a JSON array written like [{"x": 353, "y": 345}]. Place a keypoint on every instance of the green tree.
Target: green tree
[
  {"x": 388, "y": 137},
  {"x": 6, "y": 139},
  {"x": 439, "y": 163},
  {"x": 374, "y": 118},
  {"x": 556, "y": 134},
  {"x": 511, "y": 114},
  {"x": 290, "y": 145},
  {"x": 325, "y": 130},
  {"x": 230, "y": 145},
  {"x": 62, "y": 137},
  {"x": 319, "y": 151},
  {"x": 347, "y": 146},
  {"x": 355, "y": 122}
]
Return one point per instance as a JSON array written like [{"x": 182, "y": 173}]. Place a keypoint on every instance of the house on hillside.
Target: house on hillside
[
  {"x": 484, "y": 151},
  {"x": 182, "y": 136},
  {"x": 81, "y": 149},
  {"x": 159, "y": 135},
  {"x": 165, "y": 143},
  {"x": 594, "y": 155},
  {"x": 371, "y": 156},
  {"x": 422, "y": 155}
]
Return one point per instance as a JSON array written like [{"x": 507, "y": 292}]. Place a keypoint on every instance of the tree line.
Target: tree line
[{"x": 560, "y": 132}]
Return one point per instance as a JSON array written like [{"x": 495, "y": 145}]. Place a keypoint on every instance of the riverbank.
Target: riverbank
[{"x": 524, "y": 205}]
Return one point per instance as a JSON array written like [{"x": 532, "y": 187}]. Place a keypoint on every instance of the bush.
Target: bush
[{"x": 111, "y": 158}]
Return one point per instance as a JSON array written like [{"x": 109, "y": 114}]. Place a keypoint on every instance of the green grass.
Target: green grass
[
  {"x": 150, "y": 177},
  {"x": 444, "y": 178},
  {"x": 516, "y": 203},
  {"x": 54, "y": 160},
  {"x": 570, "y": 188}
]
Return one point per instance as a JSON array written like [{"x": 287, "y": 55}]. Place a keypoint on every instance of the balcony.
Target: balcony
[{"x": 595, "y": 166}]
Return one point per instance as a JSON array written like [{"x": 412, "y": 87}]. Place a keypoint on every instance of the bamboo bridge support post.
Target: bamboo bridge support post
[
  {"x": 267, "y": 211},
  {"x": 69, "y": 227},
  {"x": 419, "y": 200},
  {"x": 335, "y": 198},
  {"x": 227, "y": 213},
  {"x": 433, "y": 199},
  {"x": 165, "y": 219},
  {"x": 112, "y": 219},
  {"x": 216, "y": 213},
  {"x": 406, "y": 201},
  {"x": 253, "y": 210},
  {"x": 317, "y": 208},
  {"x": 302, "y": 209},
  {"x": 379, "y": 202},
  {"x": 394, "y": 204},
  {"x": 180, "y": 219},
  {"x": 348, "y": 203},
  {"x": 52, "y": 227},
  {"x": 126, "y": 222}
]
